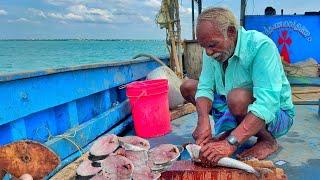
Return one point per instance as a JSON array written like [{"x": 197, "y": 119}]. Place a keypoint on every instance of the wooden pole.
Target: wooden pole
[
  {"x": 177, "y": 22},
  {"x": 199, "y": 6},
  {"x": 243, "y": 12},
  {"x": 193, "y": 32},
  {"x": 173, "y": 42}
]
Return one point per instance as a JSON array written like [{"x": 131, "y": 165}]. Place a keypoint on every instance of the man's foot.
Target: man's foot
[{"x": 260, "y": 150}]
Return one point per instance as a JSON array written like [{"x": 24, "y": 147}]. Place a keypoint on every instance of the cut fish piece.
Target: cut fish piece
[
  {"x": 104, "y": 146},
  {"x": 158, "y": 167},
  {"x": 86, "y": 170},
  {"x": 134, "y": 143},
  {"x": 96, "y": 163},
  {"x": 121, "y": 166},
  {"x": 98, "y": 177},
  {"x": 138, "y": 158},
  {"x": 164, "y": 153},
  {"x": 119, "y": 151},
  {"x": 105, "y": 176}
]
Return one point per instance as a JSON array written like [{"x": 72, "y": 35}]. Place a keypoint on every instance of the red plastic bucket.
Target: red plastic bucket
[{"x": 150, "y": 107}]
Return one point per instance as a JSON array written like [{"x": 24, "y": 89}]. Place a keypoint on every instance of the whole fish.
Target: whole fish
[{"x": 194, "y": 152}]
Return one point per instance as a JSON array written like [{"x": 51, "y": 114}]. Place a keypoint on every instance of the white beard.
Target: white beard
[
  {"x": 228, "y": 53},
  {"x": 215, "y": 55}
]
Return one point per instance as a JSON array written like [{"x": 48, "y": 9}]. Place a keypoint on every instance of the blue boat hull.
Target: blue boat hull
[{"x": 66, "y": 109}]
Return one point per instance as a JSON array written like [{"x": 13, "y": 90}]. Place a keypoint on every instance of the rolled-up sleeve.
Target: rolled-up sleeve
[
  {"x": 206, "y": 79},
  {"x": 266, "y": 77}
]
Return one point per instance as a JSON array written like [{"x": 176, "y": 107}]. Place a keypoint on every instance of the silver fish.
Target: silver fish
[{"x": 194, "y": 152}]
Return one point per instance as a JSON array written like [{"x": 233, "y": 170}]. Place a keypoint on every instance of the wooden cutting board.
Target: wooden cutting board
[{"x": 187, "y": 170}]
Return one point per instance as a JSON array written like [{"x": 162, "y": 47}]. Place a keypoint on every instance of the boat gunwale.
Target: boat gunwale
[{"x": 35, "y": 73}]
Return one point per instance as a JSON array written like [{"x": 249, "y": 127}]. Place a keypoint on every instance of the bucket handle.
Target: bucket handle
[
  {"x": 140, "y": 95},
  {"x": 125, "y": 85}
]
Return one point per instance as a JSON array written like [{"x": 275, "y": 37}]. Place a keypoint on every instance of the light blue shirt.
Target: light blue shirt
[{"x": 255, "y": 65}]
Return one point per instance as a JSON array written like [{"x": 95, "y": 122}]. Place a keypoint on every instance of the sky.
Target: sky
[{"x": 114, "y": 19}]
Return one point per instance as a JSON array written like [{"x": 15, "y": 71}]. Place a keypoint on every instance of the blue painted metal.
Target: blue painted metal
[
  {"x": 29, "y": 74},
  {"x": 77, "y": 137},
  {"x": 303, "y": 32},
  {"x": 26, "y": 96},
  {"x": 304, "y": 81},
  {"x": 319, "y": 109},
  {"x": 66, "y": 109}
]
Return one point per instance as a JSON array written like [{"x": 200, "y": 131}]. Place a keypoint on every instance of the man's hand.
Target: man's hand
[
  {"x": 212, "y": 152},
  {"x": 202, "y": 133}
]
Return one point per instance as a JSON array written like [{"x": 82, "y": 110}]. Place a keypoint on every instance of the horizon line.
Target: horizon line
[{"x": 77, "y": 39}]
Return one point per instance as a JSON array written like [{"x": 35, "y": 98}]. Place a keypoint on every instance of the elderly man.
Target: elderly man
[{"x": 242, "y": 84}]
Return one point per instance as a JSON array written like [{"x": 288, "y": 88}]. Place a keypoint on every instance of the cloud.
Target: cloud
[
  {"x": 56, "y": 15},
  {"x": 82, "y": 13},
  {"x": 21, "y": 20},
  {"x": 37, "y": 12},
  {"x": 124, "y": 12},
  {"x": 74, "y": 17},
  {"x": 145, "y": 19},
  {"x": 103, "y": 11},
  {"x": 123, "y": 4},
  {"x": 63, "y": 22},
  {"x": 153, "y": 3},
  {"x": 67, "y": 2},
  {"x": 3, "y": 12},
  {"x": 185, "y": 11},
  {"x": 69, "y": 16}
]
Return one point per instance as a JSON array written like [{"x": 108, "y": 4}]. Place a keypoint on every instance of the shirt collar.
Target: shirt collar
[{"x": 237, "y": 49}]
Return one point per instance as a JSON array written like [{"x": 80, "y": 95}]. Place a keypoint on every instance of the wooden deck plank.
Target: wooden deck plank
[
  {"x": 305, "y": 94},
  {"x": 183, "y": 110}
]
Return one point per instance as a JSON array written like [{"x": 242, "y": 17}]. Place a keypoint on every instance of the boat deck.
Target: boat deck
[{"x": 299, "y": 152}]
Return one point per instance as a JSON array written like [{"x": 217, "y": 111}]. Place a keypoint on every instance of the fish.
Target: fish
[
  {"x": 103, "y": 147},
  {"x": 194, "y": 152},
  {"x": 164, "y": 153},
  {"x": 118, "y": 166},
  {"x": 134, "y": 143},
  {"x": 87, "y": 170},
  {"x": 163, "y": 156}
]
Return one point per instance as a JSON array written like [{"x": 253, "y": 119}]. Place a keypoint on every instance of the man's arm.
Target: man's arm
[
  {"x": 250, "y": 126},
  {"x": 202, "y": 133},
  {"x": 204, "y": 98}
]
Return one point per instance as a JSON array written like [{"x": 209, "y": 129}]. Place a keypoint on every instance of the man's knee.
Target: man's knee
[
  {"x": 188, "y": 87},
  {"x": 238, "y": 101}
]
